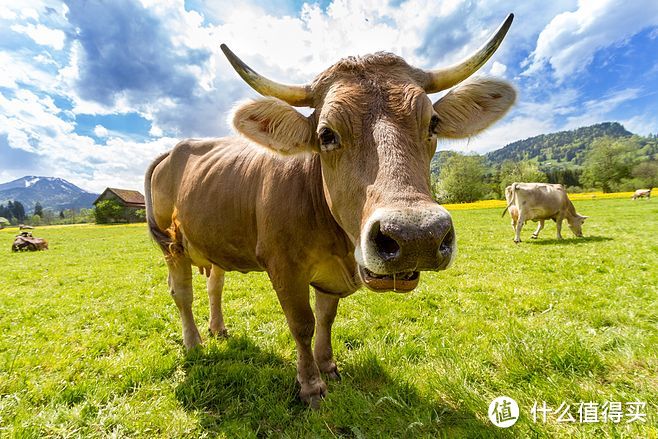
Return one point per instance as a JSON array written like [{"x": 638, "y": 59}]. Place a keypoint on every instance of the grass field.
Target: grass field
[{"x": 90, "y": 341}]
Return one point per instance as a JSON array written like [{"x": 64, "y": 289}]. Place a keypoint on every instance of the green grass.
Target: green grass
[{"x": 90, "y": 341}]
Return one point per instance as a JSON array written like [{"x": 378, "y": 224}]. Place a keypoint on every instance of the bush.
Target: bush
[
  {"x": 461, "y": 179},
  {"x": 109, "y": 211}
]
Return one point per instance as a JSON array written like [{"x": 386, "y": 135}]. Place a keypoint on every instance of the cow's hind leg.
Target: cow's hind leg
[
  {"x": 180, "y": 287},
  {"x": 540, "y": 226},
  {"x": 325, "y": 313},
  {"x": 215, "y": 284},
  {"x": 519, "y": 226}
]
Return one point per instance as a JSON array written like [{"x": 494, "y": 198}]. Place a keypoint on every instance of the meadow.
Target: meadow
[{"x": 91, "y": 346}]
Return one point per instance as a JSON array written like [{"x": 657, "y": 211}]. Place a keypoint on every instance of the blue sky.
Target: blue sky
[{"x": 92, "y": 91}]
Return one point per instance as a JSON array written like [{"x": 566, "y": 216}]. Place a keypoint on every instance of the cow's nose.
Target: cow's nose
[{"x": 407, "y": 239}]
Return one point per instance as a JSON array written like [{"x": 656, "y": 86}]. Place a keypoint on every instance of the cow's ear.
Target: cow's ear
[
  {"x": 276, "y": 125},
  {"x": 472, "y": 107}
]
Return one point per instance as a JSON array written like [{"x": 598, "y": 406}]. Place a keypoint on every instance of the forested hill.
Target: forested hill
[{"x": 564, "y": 146}]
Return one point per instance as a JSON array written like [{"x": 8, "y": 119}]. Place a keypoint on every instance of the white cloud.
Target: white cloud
[
  {"x": 599, "y": 110},
  {"x": 642, "y": 124},
  {"x": 568, "y": 43},
  {"x": 42, "y": 35},
  {"x": 100, "y": 131},
  {"x": 32, "y": 123},
  {"x": 498, "y": 69}
]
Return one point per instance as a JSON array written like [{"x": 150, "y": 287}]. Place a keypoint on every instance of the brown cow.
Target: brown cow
[
  {"x": 539, "y": 202},
  {"x": 26, "y": 242},
  {"x": 333, "y": 200}
]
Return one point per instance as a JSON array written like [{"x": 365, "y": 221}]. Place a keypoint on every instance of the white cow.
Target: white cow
[
  {"x": 641, "y": 193},
  {"x": 539, "y": 202}
]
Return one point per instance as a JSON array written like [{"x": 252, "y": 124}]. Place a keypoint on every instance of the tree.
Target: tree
[
  {"x": 5, "y": 212},
  {"x": 462, "y": 179},
  {"x": 523, "y": 171},
  {"x": 36, "y": 220},
  {"x": 38, "y": 209},
  {"x": 109, "y": 211},
  {"x": 139, "y": 215},
  {"x": 606, "y": 163},
  {"x": 17, "y": 210},
  {"x": 647, "y": 173},
  {"x": 61, "y": 214},
  {"x": 48, "y": 216}
]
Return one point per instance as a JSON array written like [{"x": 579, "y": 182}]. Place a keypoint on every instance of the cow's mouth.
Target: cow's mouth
[{"x": 399, "y": 282}]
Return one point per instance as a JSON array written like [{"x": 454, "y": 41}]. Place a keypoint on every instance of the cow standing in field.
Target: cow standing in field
[
  {"x": 334, "y": 200},
  {"x": 642, "y": 193},
  {"x": 539, "y": 202}
]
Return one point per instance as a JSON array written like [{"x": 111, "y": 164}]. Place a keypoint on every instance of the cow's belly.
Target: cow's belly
[
  {"x": 226, "y": 240},
  {"x": 539, "y": 213}
]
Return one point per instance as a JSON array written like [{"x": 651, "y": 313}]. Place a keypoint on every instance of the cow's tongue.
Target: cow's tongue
[{"x": 399, "y": 282}]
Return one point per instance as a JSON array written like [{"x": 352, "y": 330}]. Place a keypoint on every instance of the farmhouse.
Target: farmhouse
[{"x": 131, "y": 201}]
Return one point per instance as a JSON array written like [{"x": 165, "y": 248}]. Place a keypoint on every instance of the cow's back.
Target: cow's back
[
  {"x": 235, "y": 203},
  {"x": 538, "y": 201}
]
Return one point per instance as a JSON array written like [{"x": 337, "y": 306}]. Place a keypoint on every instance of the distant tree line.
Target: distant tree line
[
  {"x": 14, "y": 212},
  {"x": 611, "y": 164},
  {"x": 106, "y": 212}
]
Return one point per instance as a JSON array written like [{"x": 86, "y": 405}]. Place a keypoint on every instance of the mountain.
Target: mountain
[
  {"x": 561, "y": 147},
  {"x": 51, "y": 193}
]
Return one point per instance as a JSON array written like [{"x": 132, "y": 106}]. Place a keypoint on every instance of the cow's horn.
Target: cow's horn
[
  {"x": 442, "y": 79},
  {"x": 296, "y": 95}
]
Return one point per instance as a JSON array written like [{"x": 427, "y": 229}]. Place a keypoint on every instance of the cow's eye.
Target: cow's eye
[
  {"x": 434, "y": 124},
  {"x": 328, "y": 140}
]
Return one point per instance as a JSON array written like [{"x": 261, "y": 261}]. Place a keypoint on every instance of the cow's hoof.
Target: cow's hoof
[
  {"x": 516, "y": 242},
  {"x": 330, "y": 370},
  {"x": 312, "y": 394},
  {"x": 534, "y": 237},
  {"x": 218, "y": 333},
  {"x": 192, "y": 340},
  {"x": 333, "y": 374}
]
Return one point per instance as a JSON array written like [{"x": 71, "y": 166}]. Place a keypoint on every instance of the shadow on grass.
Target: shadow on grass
[
  {"x": 569, "y": 241},
  {"x": 239, "y": 390}
]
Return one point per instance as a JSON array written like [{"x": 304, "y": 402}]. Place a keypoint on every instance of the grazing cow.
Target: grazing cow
[
  {"x": 334, "y": 200},
  {"x": 642, "y": 193},
  {"x": 539, "y": 202}
]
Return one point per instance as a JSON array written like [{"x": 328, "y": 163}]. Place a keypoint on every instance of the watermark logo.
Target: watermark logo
[
  {"x": 591, "y": 412},
  {"x": 503, "y": 412}
]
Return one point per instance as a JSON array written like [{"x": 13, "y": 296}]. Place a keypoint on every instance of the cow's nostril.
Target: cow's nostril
[
  {"x": 448, "y": 240},
  {"x": 387, "y": 247}
]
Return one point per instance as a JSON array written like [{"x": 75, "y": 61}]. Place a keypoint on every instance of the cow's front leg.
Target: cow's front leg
[
  {"x": 325, "y": 312},
  {"x": 215, "y": 284},
  {"x": 180, "y": 287},
  {"x": 540, "y": 226},
  {"x": 558, "y": 226},
  {"x": 294, "y": 299}
]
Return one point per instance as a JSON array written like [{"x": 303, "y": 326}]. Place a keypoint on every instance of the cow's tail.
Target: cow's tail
[
  {"x": 163, "y": 238},
  {"x": 511, "y": 201}
]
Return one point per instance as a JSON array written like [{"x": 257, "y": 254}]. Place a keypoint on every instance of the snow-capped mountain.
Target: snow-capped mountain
[{"x": 52, "y": 193}]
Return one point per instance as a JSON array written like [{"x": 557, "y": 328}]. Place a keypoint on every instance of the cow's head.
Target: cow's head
[
  {"x": 376, "y": 130},
  {"x": 576, "y": 224}
]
